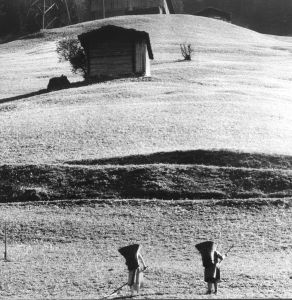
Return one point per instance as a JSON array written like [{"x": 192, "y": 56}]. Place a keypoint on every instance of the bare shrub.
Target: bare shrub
[
  {"x": 70, "y": 49},
  {"x": 186, "y": 51}
]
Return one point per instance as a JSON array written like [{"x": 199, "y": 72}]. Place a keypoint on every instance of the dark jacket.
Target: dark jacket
[{"x": 212, "y": 271}]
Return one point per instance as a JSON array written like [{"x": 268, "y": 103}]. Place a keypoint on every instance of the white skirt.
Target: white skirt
[{"x": 136, "y": 278}]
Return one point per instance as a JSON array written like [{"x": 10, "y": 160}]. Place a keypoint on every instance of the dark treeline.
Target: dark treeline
[
  {"x": 265, "y": 16},
  {"x": 20, "y": 17}
]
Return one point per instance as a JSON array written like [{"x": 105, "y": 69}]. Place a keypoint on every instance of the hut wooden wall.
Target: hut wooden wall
[
  {"x": 112, "y": 58},
  {"x": 117, "y": 58},
  {"x": 120, "y": 7},
  {"x": 175, "y": 6},
  {"x": 178, "y": 6},
  {"x": 140, "y": 57},
  {"x": 146, "y": 11},
  {"x": 125, "y": 4}
]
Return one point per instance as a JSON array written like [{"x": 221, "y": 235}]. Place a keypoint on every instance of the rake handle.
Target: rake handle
[{"x": 229, "y": 250}]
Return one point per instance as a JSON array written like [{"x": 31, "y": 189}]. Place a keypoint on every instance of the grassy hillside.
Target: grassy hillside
[
  {"x": 235, "y": 94},
  {"x": 69, "y": 250},
  {"x": 178, "y": 175}
]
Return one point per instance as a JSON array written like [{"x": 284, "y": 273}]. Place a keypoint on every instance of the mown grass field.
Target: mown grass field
[
  {"x": 70, "y": 250},
  {"x": 235, "y": 94}
]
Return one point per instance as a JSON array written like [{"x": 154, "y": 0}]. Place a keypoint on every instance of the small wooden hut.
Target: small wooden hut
[{"x": 116, "y": 52}]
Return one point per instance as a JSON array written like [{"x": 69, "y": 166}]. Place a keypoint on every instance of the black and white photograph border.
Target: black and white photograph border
[{"x": 146, "y": 149}]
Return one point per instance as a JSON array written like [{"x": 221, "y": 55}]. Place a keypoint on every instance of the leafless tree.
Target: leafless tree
[{"x": 186, "y": 51}]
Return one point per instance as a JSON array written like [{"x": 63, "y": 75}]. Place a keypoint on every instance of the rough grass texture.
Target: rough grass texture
[
  {"x": 179, "y": 175},
  {"x": 234, "y": 94},
  {"x": 69, "y": 250}
]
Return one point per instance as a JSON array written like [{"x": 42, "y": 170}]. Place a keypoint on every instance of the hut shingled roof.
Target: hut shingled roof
[{"x": 110, "y": 32}]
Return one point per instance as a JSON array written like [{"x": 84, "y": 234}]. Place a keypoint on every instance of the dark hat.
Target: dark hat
[
  {"x": 207, "y": 246},
  {"x": 206, "y": 250},
  {"x": 129, "y": 253}
]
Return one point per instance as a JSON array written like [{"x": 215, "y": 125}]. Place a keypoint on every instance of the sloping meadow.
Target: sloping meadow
[{"x": 234, "y": 94}]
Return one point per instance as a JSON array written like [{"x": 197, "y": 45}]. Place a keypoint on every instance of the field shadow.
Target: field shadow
[
  {"x": 46, "y": 91},
  {"x": 142, "y": 295},
  {"x": 23, "y": 96},
  {"x": 119, "y": 297},
  {"x": 220, "y": 158},
  {"x": 164, "y": 62},
  {"x": 73, "y": 85}
]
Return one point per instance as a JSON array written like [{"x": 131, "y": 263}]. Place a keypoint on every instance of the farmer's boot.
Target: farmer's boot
[
  {"x": 209, "y": 291},
  {"x": 215, "y": 287},
  {"x": 132, "y": 290}
]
